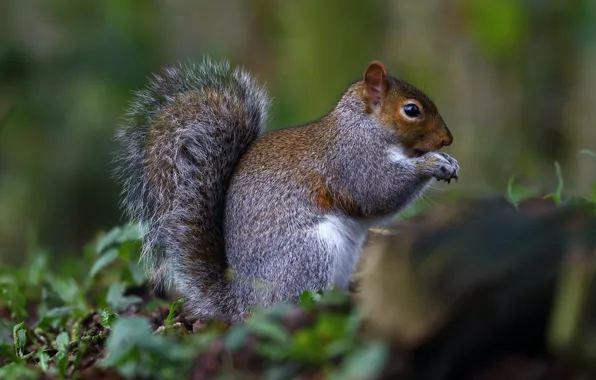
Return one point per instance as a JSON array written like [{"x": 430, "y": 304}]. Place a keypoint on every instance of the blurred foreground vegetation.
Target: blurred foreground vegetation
[{"x": 481, "y": 288}]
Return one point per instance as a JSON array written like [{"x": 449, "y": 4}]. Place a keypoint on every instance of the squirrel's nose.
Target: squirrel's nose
[{"x": 447, "y": 140}]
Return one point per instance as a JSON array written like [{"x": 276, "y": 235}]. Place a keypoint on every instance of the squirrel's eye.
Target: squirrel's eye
[{"x": 411, "y": 110}]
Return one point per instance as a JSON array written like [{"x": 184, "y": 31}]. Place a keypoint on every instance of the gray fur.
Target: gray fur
[
  {"x": 286, "y": 256},
  {"x": 261, "y": 221}
]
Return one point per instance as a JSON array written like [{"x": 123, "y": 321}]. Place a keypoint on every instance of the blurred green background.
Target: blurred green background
[{"x": 515, "y": 81}]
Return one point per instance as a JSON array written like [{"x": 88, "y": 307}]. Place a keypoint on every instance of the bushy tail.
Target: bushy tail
[{"x": 182, "y": 137}]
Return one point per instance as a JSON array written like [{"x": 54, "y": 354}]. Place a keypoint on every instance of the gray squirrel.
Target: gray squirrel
[{"x": 234, "y": 217}]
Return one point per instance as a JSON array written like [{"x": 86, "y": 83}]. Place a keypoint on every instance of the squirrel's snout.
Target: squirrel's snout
[{"x": 447, "y": 139}]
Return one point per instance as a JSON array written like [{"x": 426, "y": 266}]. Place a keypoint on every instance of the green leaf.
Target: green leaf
[
  {"x": 107, "y": 318},
  {"x": 103, "y": 261},
  {"x": 62, "y": 342},
  {"x": 108, "y": 240},
  {"x": 331, "y": 326},
  {"x": 36, "y": 270},
  {"x": 354, "y": 321},
  {"x": 69, "y": 291},
  {"x": 306, "y": 346},
  {"x": 6, "y": 351},
  {"x": 117, "y": 236},
  {"x": 558, "y": 194},
  {"x": 43, "y": 360},
  {"x": 55, "y": 317},
  {"x": 116, "y": 299},
  {"x": 365, "y": 363},
  {"x": 269, "y": 330},
  {"x": 127, "y": 334},
  {"x": 309, "y": 298},
  {"x": 18, "y": 371},
  {"x": 236, "y": 337},
  {"x": 11, "y": 296},
  {"x": 129, "y": 233},
  {"x": 19, "y": 336},
  {"x": 172, "y": 313},
  {"x": 135, "y": 351},
  {"x": 347, "y": 341},
  {"x": 517, "y": 192},
  {"x": 137, "y": 273}
]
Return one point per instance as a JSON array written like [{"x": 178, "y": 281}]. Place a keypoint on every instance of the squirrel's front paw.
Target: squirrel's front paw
[{"x": 443, "y": 166}]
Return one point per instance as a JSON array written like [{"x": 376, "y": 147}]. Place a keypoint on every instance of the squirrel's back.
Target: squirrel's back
[{"x": 181, "y": 139}]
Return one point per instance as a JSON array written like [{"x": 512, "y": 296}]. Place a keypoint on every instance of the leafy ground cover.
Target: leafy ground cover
[
  {"x": 94, "y": 317},
  {"x": 97, "y": 318}
]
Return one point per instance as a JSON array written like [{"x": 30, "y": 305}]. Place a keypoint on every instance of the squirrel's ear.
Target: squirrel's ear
[{"x": 375, "y": 81}]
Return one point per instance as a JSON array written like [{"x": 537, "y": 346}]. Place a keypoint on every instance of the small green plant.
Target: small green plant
[
  {"x": 62, "y": 322},
  {"x": 557, "y": 196},
  {"x": 173, "y": 309},
  {"x": 516, "y": 192}
]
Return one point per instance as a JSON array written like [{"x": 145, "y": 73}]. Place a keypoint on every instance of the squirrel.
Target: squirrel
[{"x": 235, "y": 217}]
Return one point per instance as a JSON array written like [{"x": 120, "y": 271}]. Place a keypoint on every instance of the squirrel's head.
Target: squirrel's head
[{"x": 405, "y": 109}]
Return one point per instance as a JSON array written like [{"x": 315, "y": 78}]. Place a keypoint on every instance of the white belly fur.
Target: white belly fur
[{"x": 344, "y": 239}]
